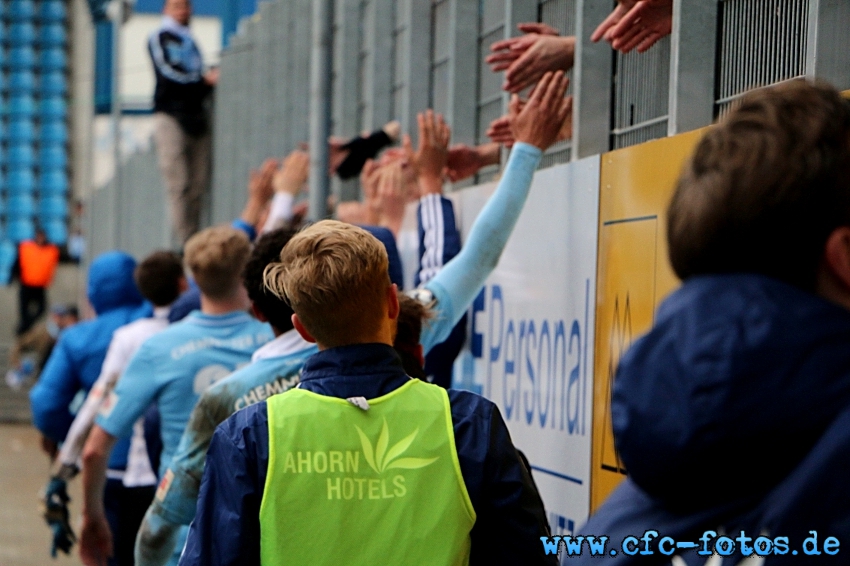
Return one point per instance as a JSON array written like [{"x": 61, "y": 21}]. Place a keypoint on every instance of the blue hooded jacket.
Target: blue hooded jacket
[
  {"x": 733, "y": 412},
  {"x": 75, "y": 361}
]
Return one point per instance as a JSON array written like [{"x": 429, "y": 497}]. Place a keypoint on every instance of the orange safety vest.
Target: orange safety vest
[{"x": 38, "y": 263}]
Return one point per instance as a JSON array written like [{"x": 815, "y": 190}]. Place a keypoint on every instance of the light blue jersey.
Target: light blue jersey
[
  {"x": 173, "y": 369},
  {"x": 275, "y": 369}
]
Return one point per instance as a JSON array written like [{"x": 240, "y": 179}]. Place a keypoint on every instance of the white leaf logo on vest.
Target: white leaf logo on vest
[{"x": 381, "y": 459}]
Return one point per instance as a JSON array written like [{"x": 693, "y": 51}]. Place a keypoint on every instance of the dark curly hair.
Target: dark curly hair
[{"x": 267, "y": 251}]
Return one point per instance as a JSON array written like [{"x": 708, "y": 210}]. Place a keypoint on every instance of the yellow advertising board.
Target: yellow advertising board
[{"x": 633, "y": 274}]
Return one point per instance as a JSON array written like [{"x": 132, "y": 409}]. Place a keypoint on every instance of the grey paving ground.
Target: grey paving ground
[{"x": 24, "y": 537}]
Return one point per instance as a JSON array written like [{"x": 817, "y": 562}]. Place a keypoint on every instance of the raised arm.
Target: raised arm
[{"x": 536, "y": 127}]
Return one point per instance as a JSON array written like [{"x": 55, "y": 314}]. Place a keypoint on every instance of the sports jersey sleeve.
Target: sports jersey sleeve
[
  {"x": 439, "y": 238},
  {"x": 135, "y": 391},
  {"x": 177, "y": 503},
  {"x": 56, "y": 388},
  {"x": 226, "y": 528},
  {"x": 165, "y": 49},
  {"x": 115, "y": 361},
  {"x": 280, "y": 211},
  {"x": 455, "y": 287}
]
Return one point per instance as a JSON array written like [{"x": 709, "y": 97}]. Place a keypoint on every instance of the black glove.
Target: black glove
[
  {"x": 359, "y": 150},
  {"x": 56, "y": 514}
]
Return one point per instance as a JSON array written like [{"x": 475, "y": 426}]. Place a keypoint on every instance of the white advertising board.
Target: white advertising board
[{"x": 531, "y": 332}]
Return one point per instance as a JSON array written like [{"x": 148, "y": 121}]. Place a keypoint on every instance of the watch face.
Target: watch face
[{"x": 424, "y": 296}]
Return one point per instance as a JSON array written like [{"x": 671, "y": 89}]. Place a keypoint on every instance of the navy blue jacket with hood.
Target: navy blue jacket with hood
[
  {"x": 733, "y": 413},
  {"x": 75, "y": 361}
]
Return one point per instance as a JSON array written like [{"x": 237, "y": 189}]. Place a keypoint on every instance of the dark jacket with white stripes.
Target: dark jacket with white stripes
[{"x": 180, "y": 87}]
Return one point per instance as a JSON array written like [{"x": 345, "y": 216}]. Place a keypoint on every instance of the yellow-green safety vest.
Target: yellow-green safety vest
[{"x": 349, "y": 486}]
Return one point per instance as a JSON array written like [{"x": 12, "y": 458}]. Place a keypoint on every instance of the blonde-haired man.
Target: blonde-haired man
[
  {"x": 363, "y": 464},
  {"x": 173, "y": 368}
]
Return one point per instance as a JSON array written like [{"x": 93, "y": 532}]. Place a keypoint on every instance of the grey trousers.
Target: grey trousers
[{"x": 184, "y": 162}]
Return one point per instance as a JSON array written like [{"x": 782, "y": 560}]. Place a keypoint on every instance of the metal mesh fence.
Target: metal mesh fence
[
  {"x": 561, "y": 15},
  {"x": 761, "y": 42},
  {"x": 641, "y": 95},
  {"x": 394, "y": 58}
]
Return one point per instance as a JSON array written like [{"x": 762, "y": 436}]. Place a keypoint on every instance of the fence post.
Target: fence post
[
  {"x": 320, "y": 107},
  {"x": 829, "y": 36},
  {"x": 463, "y": 70},
  {"x": 693, "y": 50},
  {"x": 591, "y": 82}
]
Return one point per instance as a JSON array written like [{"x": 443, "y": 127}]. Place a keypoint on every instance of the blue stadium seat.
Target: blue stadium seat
[
  {"x": 52, "y": 11},
  {"x": 20, "y": 181},
  {"x": 52, "y": 35},
  {"x": 52, "y": 158},
  {"x": 4, "y": 83},
  {"x": 20, "y": 206},
  {"x": 3, "y": 131},
  {"x": 21, "y": 10},
  {"x": 57, "y": 232},
  {"x": 8, "y": 257},
  {"x": 53, "y": 183},
  {"x": 22, "y": 82},
  {"x": 52, "y": 109},
  {"x": 21, "y": 106},
  {"x": 53, "y": 133},
  {"x": 53, "y": 84},
  {"x": 4, "y": 36},
  {"x": 53, "y": 207},
  {"x": 21, "y": 58},
  {"x": 20, "y": 156},
  {"x": 21, "y": 131},
  {"x": 20, "y": 229},
  {"x": 52, "y": 59},
  {"x": 21, "y": 34}
]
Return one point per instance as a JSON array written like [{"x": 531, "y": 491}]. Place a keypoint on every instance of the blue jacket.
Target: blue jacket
[
  {"x": 511, "y": 519},
  {"x": 734, "y": 412},
  {"x": 75, "y": 361}
]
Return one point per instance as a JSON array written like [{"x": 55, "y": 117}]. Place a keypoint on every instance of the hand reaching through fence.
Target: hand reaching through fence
[
  {"x": 540, "y": 120},
  {"x": 636, "y": 24},
  {"x": 464, "y": 161},
  {"x": 500, "y": 131},
  {"x": 526, "y": 58}
]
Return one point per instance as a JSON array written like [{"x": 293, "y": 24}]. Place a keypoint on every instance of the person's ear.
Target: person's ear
[
  {"x": 305, "y": 334},
  {"x": 183, "y": 285},
  {"x": 837, "y": 255},
  {"x": 258, "y": 314},
  {"x": 393, "y": 308}
]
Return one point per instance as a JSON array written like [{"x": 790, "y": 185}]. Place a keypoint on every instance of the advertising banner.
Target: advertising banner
[{"x": 531, "y": 332}]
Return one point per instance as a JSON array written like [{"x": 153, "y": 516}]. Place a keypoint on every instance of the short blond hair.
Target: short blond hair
[
  {"x": 216, "y": 257},
  {"x": 335, "y": 277}
]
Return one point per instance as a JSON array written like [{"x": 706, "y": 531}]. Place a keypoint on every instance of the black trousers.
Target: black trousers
[
  {"x": 32, "y": 302},
  {"x": 125, "y": 509}
]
